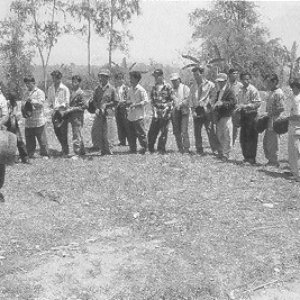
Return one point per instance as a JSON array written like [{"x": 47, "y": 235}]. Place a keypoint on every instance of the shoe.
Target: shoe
[
  {"x": 132, "y": 151},
  {"x": 272, "y": 164},
  {"x": 75, "y": 157},
  {"x": 142, "y": 151},
  {"x": 224, "y": 158},
  {"x": 45, "y": 157},
  {"x": 121, "y": 144},
  {"x": 25, "y": 160},
  {"x": 2, "y": 198}
]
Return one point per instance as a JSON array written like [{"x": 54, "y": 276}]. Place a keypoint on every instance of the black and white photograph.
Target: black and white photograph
[{"x": 149, "y": 150}]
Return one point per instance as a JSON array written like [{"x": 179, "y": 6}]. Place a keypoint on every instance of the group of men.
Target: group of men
[{"x": 213, "y": 105}]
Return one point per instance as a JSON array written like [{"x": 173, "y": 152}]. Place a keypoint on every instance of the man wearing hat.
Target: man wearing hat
[
  {"x": 35, "y": 121},
  {"x": 202, "y": 93},
  {"x": 224, "y": 106},
  {"x": 59, "y": 98},
  {"x": 181, "y": 113},
  {"x": 162, "y": 98},
  {"x": 104, "y": 100}
]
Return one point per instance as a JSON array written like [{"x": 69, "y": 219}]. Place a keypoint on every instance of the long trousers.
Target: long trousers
[
  {"x": 76, "y": 121},
  {"x": 137, "y": 131},
  {"x": 122, "y": 124},
  {"x": 248, "y": 137},
  {"x": 158, "y": 126},
  {"x": 271, "y": 144},
  {"x": 39, "y": 133},
  {"x": 211, "y": 133},
  {"x": 20, "y": 142},
  {"x": 99, "y": 134},
  {"x": 294, "y": 147},
  {"x": 224, "y": 134},
  {"x": 180, "y": 124},
  {"x": 2, "y": 175},
  {"x": 62, "y": 136}
]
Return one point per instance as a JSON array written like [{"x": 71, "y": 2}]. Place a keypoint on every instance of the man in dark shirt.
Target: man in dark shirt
[{"x": 104, "y": 99}]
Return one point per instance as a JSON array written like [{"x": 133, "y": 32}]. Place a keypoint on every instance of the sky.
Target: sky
[{"x": 162, "y": 32}]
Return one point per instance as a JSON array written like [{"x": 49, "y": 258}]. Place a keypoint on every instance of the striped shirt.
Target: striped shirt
[
  {"x": 37, "y": 98},
  {"x": 59, "y": 98}
]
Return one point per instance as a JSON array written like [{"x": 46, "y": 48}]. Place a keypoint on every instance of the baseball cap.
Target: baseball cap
[
  {"x": 174, "y": 76},
  {"x": 221, "y": 77},
  {"x": 104, "y": 72}
]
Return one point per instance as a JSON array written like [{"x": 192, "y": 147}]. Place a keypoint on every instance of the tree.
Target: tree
[
  {"x": 44, "y": 21},
  {"x": 15, "y": 52},
  {"x": 231, "y": 30}
]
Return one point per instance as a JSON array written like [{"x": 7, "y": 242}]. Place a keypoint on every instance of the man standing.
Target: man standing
[
  {"x": 59, "y": 97},
  {"x": 181, "y": 113},
  {"x": 224, "y": 107},
  {"x": 274, "y": 108},
  {"x": 121, "y": 112},
  {"x": 202, "y": 93},
  {"x": 248, "y": 103},
  {"x": 162, "y": 97},
  {"x": 35, "y": 124},
  {"x": 236, "y": 86},
  {"x": 104, "y": 100},
  {"x": 137, "y": 99},
  {"x": 75, "y": 114}
]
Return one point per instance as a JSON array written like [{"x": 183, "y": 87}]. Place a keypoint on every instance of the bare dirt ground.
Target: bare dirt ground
[{"x": 150, "y": 227}]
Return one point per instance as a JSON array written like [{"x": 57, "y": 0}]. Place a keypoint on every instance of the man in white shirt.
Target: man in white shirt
[
  {"x": 181, "y": 113},
  {"x": 59, "y": 98},
  {"x": 136, "y": 101}
]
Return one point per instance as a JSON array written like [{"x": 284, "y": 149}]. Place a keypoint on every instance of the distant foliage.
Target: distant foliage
[{"x": 232, "y": 30}]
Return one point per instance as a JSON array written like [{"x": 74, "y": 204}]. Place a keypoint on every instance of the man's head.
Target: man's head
[
  {"x": 221, "y": 80},
  {"x": 175, "y": 79},
  {"x": 295, "y": 86},
  {"x": 245, "y": 78},
  {"x": 271, "y": 81},
  {"x": 76, "y": 81},
  {"x": 56, "y": 77},
  {"x": 119, "y": 78},
  {"x": 158, "y": 76},
  {"x": 134, "y": 77},
  {"x": 104, "y": 76},
  {"x": 233, "y": 75},
  {"x": 198, "y": 73},
  {"x": 29, "y": 82}
]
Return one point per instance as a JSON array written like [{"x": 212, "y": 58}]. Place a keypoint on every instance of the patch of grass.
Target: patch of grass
[{"x": 215, "y": 235}]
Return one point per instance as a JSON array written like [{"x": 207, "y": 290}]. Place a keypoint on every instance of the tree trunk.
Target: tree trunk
[
  {"x": 111, "y": 33},
  {"x": 89, "y": 41}
]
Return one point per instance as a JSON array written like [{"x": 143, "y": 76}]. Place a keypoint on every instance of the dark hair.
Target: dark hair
[
  {"x": 136, "y": 74},
  {"x": 119, "y": 75},
  {"x": 295, "y": 83},
  {"x": 232, "y": 70},
  {"x": 243, "y": 74},
  {"x": 272, "y": 77},
  {"x": 29, "y": 79},
  {"x": 198, "y": 68},
  {"x": 57, "y": 74},
  {"x": 77, "y": 77}
]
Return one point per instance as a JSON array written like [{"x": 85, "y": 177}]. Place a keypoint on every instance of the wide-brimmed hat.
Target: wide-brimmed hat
[
  {"x": 261, "y": 123},
  {"x": 281, "y": 125},
  {"x": 27, "y": 109}
]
